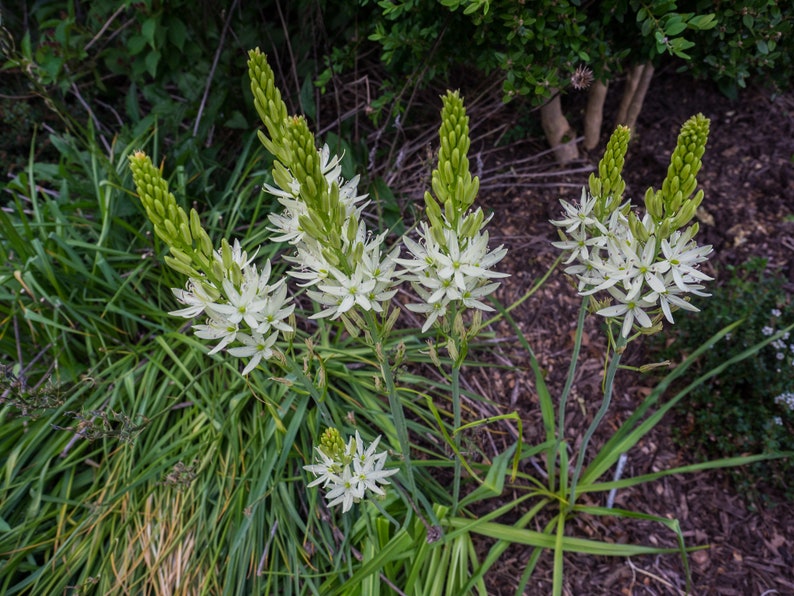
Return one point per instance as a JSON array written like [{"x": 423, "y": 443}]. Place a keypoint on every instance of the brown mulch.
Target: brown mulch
[{"x": 748, "y": 178}]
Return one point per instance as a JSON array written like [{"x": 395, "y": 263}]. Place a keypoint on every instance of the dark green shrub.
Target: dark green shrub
[
  {"x": 752, "y": 42},
  {"x": 749, "y": 407}
]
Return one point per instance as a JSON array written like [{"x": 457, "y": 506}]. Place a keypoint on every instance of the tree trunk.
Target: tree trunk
[
  {"x": 594, "y": 114},
  {"x": 559, "y": 134},
  {"x": 632, "y": 80},
  {"x": 634, "y": 95}
]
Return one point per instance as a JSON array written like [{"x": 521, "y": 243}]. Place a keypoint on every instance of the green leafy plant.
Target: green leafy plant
[
  {"x": 751, "y": 44},
  {"x": 543, "y": 49},
  {"x": 169, "y": 66},
  {"x": 747, "y": 409}
]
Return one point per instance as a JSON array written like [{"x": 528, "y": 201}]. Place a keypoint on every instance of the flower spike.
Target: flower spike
[
  {"x": 190, "y": 245},
  {"x": 647, "y": 264}
]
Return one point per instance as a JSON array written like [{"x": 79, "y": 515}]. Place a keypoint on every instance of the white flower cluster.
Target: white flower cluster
[
  {"x": 369, "y": 277},
  {"x": 347, "y": 477},
  {"x": 641, "y": 276},
  {"x": 458, "y": 270},
  {"x": 246, "y": 312},
  {"x": 786, "y": 399},
  {"x": 783, "y": 346}
]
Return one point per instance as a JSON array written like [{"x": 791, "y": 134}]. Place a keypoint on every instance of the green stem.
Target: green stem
[
  {"x": 297, "y": 370},
  {"x": 566, "y": 390},
  {"x": 609, "y": 381},
  {"x": 395, "y": 405},
  {"x": 455, "y": 426}
]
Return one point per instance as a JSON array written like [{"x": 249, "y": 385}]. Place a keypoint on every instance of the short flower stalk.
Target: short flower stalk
[{"x": 349, "y": 472}]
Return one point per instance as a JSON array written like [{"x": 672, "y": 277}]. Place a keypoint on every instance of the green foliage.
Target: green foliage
[
  {"x": 63, "y": 300},
  {"x": 537, "y": 45},
  {"x": 662, "y": 25},
  {"x": 132, "y": 456},
  {"x": 742, "y": 410},
  {"x": 752, "y": 41},
  {"x": 170, "y": 65}
]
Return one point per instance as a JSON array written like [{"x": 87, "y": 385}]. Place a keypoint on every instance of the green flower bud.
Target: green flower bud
[
  {"x": 610, "y": 186},
  {"x": 357, "y": 254},
  {"x": 215, "y": 271},
  {"x": 685, "y": 163},
  {"x": 332, "y": 256},
  {"x": 159, "y": 208},
  {"x": 674, "y": 200},
  {"x": 268, "y": 103},
  {"x": 200, "y": 235},
  {"x": 289, "y": 336},
  {"x": 470, "y": 191},
  {"x": 226, "y": 254},
  {"x": 432, "y": 210},
  {"x": 449, "y": 210},
  {"x": 181, "y": 256},
  {"x": 637, "y": 229},
  {"x": 684, "y": 216},
  {"x": 451, "y": 181},
  {"x": 168, "y": 232},
  {"x": 180, "y": 267},
  {"x": 438, "y": 235},
  {"x": 309, "y": 225},
  {"x": 352, "y": 229},
  {"x": 594, "y": 184},
  {"x": 281, "y": 176},
  {"x": 654, "y": 204},
  {"x": 185, "y": 235},
  {"x": 332, "y": 445}
]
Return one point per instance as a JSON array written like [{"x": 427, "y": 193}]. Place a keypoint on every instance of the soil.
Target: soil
[{"x": 748, "y": 179}]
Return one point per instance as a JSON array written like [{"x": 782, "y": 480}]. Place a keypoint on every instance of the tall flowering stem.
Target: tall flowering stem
[
  {"x": 342, "y": 265},
  {"x": 344, "y": 268},
  {"x": 633, "y": 269},
  {"x": 451, "y": 265},
  {"x": 644, "y": 266}
]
